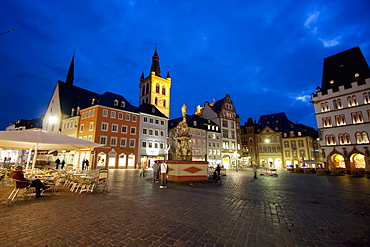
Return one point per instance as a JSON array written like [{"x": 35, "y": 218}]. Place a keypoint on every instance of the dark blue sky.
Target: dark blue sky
[{"x": 267, "y": 55}]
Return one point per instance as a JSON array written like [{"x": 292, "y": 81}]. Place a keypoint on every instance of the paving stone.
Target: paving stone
[{"x": 289, "y": 210}]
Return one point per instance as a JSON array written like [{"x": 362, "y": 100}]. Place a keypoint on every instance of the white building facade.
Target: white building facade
[{"x": 342, "y": 108}]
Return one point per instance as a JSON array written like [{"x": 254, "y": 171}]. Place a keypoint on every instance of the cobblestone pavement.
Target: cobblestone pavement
[{"x": 288, "y": 210}]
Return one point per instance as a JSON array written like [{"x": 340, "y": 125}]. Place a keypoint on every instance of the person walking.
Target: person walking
[
  {"x": 62, "y": 164},
  {"x": 163, "y": 169},
  {"x": 142, "y": 170},
  {"x": 57, "y": 162},
  {"x": 155, "y": 171},
  {"x": 83, "y": 164},
  {"x": 86, "y": 164},
  {"x": 218, "y": 172},
  {"x": 254, "y": 165}
]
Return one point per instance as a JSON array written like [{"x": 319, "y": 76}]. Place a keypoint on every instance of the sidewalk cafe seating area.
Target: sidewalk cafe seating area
[{"x": 75, "y": 181}]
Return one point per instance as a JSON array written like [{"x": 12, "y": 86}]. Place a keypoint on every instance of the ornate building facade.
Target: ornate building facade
[
  {"x": 276, "y": 142},
  {"x": 342, "y": 109},
  {"x": 223, "y": 113}
]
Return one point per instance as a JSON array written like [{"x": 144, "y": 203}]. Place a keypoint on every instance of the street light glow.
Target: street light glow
[{"x": 52, "y": 119}]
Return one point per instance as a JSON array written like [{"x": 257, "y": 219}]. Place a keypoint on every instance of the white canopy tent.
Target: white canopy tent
[{"x": 38, "y": 139}]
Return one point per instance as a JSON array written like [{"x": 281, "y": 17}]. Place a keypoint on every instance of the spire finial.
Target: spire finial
[
  {"x": 70, "y": 74},
  {"x": 155, "y": 46}
]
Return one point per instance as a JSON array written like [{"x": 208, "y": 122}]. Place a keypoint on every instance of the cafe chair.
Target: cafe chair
[
  {"x": 83, "y": 184},
  {"x": 28, "y": 191},
  {"x": 54, "y": 183}
]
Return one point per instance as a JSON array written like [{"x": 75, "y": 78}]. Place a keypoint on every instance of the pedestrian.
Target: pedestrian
[
  {"x": 57, "y": 162},
  {"x": 155, "y": 171},
  {"x": 62, "y": 164},
  {"x": 218, "y": 173},
  {"x": 22, "y": 182},
  {"x": 142, "y": 170},
  {"x": 83, "y": 164},
  {"x": 163, "y": 168},
  {"x": 254, "y": 165},
  {"x": 4, "y": 160},
  {"x": 86, "y": 164}
]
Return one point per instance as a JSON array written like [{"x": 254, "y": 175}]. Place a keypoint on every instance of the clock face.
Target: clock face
[{"x": 160, "y": 102}]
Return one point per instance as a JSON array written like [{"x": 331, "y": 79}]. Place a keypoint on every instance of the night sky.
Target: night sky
[{"x": 267, "y": 55}]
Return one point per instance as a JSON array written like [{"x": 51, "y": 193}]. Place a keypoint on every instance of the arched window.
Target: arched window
[
  {"x": 349, "y": 101},
  {"x": 115, "y": 102},
  {"x": 147, "y": 89},
  {"x": 164, "y": 103},
  {"x": 335, "y": 104},
  {"x": 341, "y": 139},
  {"x": 339, "y": 102},
  {"x": 157, "y": 88},
  {"x": 366, "y": 98},
  {"x": 354, "y": 100},
  {"x": 327, "y": 106},
  {"x": 156, "y": 101},
  {"x": 164, "y": 90},
  {"x": 332, "y": 140},
  {"x": 365, "y": 137},
  {"x": 358, "y": 138},
  {"x": 143, "y": 90},
  {"x": 322, "y": 107},
  {"x": 347, "y": 138}
]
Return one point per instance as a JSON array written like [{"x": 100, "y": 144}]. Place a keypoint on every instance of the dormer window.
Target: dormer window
[
  {"x": 195, "y": 123},
  {"x": 332, "y": 82},
  {"x": 357, "y": 75},
  {"x": 153, "y": 110},
  {"x": 123, "y": 104},
  {"x": 93, "y": 101},
  {"x": 115, "y": 102}
]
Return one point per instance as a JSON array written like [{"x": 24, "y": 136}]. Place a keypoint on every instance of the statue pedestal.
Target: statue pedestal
[{"x": 179, "y": 170}]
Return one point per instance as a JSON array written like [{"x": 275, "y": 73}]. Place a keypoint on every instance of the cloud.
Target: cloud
[
  {"x": 311, "y": 19},
  {"x": 303, "y": 98},
  {"x": 332, "y": 42}
]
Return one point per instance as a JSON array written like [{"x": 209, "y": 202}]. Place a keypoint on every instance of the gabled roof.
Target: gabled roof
[
  {"x": 280, "y": 123},
  {"x": 217, "y": 105},
  {"x": 150, "y": 109},
  {"x": 193, "y": 121},
  {"x": 279, "y": 120},
  {"x": 72, "y": 97},
  {"x": 344, "y": 68},
  {"x": 108, "y": 99}
]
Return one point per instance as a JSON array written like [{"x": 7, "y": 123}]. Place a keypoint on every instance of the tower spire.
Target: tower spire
[
  {"x": 71, "y": 71},
  {"x": 155, "y": 63}
]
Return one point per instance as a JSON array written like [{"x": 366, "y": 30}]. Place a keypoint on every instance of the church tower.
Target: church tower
[{"x": 154, "y": 89}]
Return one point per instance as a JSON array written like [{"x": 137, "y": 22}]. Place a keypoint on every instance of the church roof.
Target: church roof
[
  {"x": 150, "y": 109},
  {"x": 155, "y": 64},
  {"x": 344, "y": 68},
  {"x": 72, "y": 97}
]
